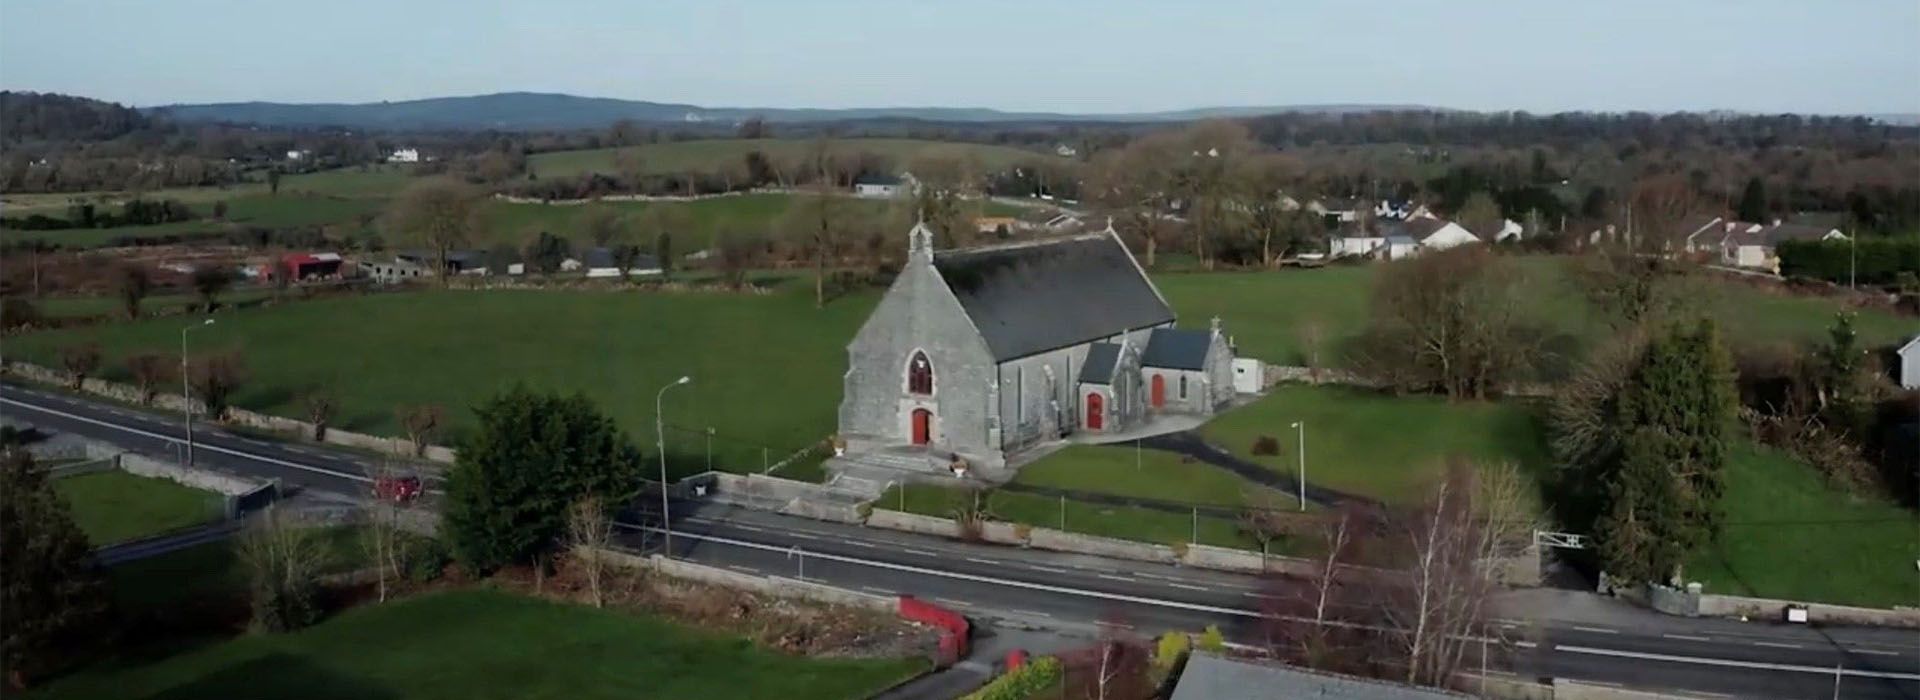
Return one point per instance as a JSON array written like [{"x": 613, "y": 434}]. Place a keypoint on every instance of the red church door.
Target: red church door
[
  {"x": 922, "y": 426},
  {"x": 1095, "y": 417},
  {"x": 1159, "y": 391}
]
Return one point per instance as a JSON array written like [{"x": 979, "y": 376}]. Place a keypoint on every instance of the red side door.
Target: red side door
[
  {"x": 1095, "y": 417},
  {"x": 1159, "y": 391},
  {"x": 922, "y": 426}
]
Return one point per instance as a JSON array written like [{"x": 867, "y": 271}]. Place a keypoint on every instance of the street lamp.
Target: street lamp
[
  {"x": 186, "y": 388},
  {"x": 660, "y": 443},
  {"x": 1300, "y": 428}
]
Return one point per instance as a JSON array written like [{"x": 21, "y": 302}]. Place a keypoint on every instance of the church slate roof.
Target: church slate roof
[
  {"x": 1174, "y": 348},
  {"x": 1031, "y": 297},
  {"x": 1101, "y": 358}
]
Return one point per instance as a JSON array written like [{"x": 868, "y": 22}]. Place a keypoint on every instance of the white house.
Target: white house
[
  {"x": 1065, "y": 151},
  {"x": 884, "y": 186},
  {"x": 1910, "y": 364},
  {"x": 599, "y": 263},
  {"x": 1351, "y": 243},
  {"x": 1343, "y": 210},
  {"x": 1752, "y": 246},
  {"x": 1430, "y": 233},
  {"x": 298, "y": 154},
  {"x": 404, "y": 155}
]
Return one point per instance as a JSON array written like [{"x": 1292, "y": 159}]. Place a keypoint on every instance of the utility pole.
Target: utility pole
[
  {"x": 186, "y": 388},
  {"x": 1300, "y": 430},
  {"x": 660, "y": 443}
]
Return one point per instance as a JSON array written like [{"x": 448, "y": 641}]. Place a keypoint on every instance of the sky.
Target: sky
[{"x": 1809, "y": 56}]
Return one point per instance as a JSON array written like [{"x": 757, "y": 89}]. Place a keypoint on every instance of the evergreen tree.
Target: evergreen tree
[
  {"x": 1753, "y": 201},
  {"x": 1663, "y": 489},
  {"x": 53, "y": 593},
  {"x": 533, "y": 456},
  {"x": 1841, "y": 406}
]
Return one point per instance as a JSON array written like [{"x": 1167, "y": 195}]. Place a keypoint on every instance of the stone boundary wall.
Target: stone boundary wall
[
  {"x": 230, "y": 485},
  {"x": 778, "y": 586},
  {"x": 511, "y": 199},
  {"x": 1715, "y": 605},
  {"x": 91, "y": 466},
  {"x": 1275, "y": 374},
  {"x": 127, "y": 393}
]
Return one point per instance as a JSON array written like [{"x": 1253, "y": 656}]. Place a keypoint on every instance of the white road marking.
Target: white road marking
[
  {"x": 858, "y": 543},
  {"x": 1190, "y": 588},
  {"x": 1596, "y": 630},
  {"x": 749, "y": 527},
  {"x": 1158, "y": 576},
  {"x": 881, "y": 591},
  {"x": 1880, "y": 652},
  {"x": 1777, "y": 645},
  {"x": 1734, "y": 663},
  {"x": 1687, "y": 637},
  {"x": 1256, "y": 594},
  {"x": 1047, "y": 569},
  {"x": 1030, "y": 612},
  {"x": 801, "y": 535},
  {"x": 920, "y": 552},
  {"x": 203, "y": 446},
  {"x": 1112, "y": 577},
  {"x": 978, "y": 560},
  {"x": 697, "y": 519},
  {"x": 955, "y": 603},
  {"x": 748, "y": 569}
]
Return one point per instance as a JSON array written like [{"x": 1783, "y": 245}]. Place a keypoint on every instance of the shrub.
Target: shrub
[
  {"x": 1212, "y": 640},
  {"x": 1021, "y": 683},
  {"x": 1167, "y": 653},
  {"x": 1266, "y": 445},
  {"x": 18, "y": 313},
  {"x": 428, "y": 561}
]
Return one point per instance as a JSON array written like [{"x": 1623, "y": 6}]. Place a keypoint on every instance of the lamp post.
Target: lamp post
[
  {"x": 186, "y": 388},
  {"x": 660, "y": 443},
  {"x": 1300, "y": 429}
]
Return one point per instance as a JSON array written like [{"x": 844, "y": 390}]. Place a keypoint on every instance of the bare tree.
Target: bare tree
[
  {"x": 1481, "y": 216},
  {"x": 814, "y": 222},
  {"x": 603, "y": 225},
  {"x": 1313, "y": 338},
  {"x": 1448, "y": 320},
  {"x": 1659, "y": 211},
  {"x": 1204, "y": 178},
  {"x": 150, "y": 371},
  {"x": 133, "y": 285},
  {"x": 80, "y": 360},
  {"x": 1441, "y": 599},
  {"x": 214, "y": 377},
  {"x": 383, "y": 537},
  {"x": 437, "y": 213},
  {"x": 589, "y": 532},
  {"x": 420, "y": 422},
  {"x": 321, "y": 408},
  {"x": 283, "y": 561},
  {"x": 1137, "y": 184}
]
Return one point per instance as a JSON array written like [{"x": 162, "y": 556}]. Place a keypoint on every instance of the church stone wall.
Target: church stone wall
[{"x": 919, "y": 313}]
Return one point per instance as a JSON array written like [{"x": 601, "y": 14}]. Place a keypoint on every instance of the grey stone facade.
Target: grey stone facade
[{"x": 1043, "y": 306}]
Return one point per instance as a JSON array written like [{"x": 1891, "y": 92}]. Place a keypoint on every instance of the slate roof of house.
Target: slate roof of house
[
  {"x": 603, "y": 258},
  {"x": 1174, "y": 348},
  {"x": 1211, "y": 677},
  {"x": 1101, "y": 358},
  {"x": 1795, "y": 232},
  {"x": 1035, "y": 296}
]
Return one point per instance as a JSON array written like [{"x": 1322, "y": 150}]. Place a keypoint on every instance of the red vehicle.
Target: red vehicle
[{"x": 399, "y": 489}]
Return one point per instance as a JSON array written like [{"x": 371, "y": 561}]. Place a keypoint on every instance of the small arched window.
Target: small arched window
[
  {"x": 920, "y": 375},
  {"x": 1183, "y": 386}
]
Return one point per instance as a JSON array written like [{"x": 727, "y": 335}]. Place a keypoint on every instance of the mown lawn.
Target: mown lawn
[
  {"x": 766, "y": 368},
  {"x": 709, "y": 155},
  {"x": 114, "y": 506},
  {"x": 1790, "y": 535},
  {"x": 480, "y": 643},
  {"x": 1144, "y": 473},
  {"x": 1377, "y": 445}
]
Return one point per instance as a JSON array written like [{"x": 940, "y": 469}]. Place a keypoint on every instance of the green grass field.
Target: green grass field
[
  {"x": 375, "y": 182},
  {"x": 57, "y": 307},
  {"x": 1145, "y": 473},
  {"x": 1266, "y": 312},
  {"x": 707, "y": 155},
  {"x": 766, "y": 368},
  {"x": 483, "y": 644},
  {"x": 1790, "y": 535},
  {"x": 1377, "y": 445},
  {"x": 114, "y": 506}
]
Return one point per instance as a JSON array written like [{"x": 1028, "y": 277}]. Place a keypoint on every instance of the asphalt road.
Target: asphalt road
[{"x": 1709, "y": 658}]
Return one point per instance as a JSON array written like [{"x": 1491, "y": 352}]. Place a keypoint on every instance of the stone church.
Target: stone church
[{"x": 983, "y": 352}]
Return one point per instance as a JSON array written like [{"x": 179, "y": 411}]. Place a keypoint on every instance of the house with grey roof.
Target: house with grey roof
[
  {"x": 983, "y": 352},
  {"x": 1214, "y": 677}
]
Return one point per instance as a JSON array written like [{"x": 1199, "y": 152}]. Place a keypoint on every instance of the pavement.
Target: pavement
[{"x": 1545, "y": 634}]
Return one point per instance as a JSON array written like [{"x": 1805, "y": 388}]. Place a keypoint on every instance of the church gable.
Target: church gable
[{"x": 1030, "y": 297}]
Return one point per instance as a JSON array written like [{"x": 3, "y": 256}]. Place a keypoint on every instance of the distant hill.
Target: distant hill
[{"x": 531, "y": 110}]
